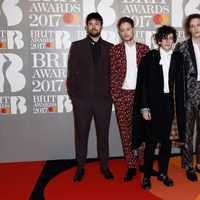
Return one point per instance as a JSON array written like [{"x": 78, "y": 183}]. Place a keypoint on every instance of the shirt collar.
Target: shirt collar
[
  {"x": 129, "y": 47},
  {"x": 164, "y": 53},
  {"x": 94, "y": 42}
]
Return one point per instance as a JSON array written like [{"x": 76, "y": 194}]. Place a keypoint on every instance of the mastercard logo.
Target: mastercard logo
[
  {"x": 160, "y": 19},
  {"x": 5, "y": 110},
  {"x": 2, "y": 45},
  {"x": 49, "y": 45},
  {"x": 71, "y": 18},
  {"x": 52, "y": 109}
]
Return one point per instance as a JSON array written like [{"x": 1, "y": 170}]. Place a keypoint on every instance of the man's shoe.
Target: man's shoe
[
  {"x": 197, "y": 169},
  {"x": 129, "y": 174},
  {"x": 107, "y": 173},
  {"x": 153, "y": 172},
  {"x": 166, "y": 180},
  {"x": 146, "y": 183},
  {"x": 79, "y": 175},
  {"x": 191, "y": 175}
]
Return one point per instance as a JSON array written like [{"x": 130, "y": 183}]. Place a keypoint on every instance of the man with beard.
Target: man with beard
[
  {"x": 88, "y": 86},
  {"x": 125, "y": 58}
]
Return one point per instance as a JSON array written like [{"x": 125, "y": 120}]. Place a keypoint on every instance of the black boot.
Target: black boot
[
  {"x": 191, "y": 175},
  {"x": 107, "y": 173},
  {"x": 146, "y": 183},
  {"x": 129, "y": 174},
  {"x": 79, "y": 175}
]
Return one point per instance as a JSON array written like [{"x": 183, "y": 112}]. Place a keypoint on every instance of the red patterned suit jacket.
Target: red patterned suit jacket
[{"x": 118, "y": 65}]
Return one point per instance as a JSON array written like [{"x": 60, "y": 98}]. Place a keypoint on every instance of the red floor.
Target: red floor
[{"x": 18, "y": 180}]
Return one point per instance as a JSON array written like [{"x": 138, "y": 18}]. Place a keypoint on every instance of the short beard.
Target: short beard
[{"x": 97, "y": 34}]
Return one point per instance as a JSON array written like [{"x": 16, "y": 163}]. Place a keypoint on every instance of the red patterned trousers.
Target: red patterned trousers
[{"x": 124, "y": 111}]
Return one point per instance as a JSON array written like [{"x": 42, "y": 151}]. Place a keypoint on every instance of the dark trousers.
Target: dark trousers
[
  {"x": 84, "y": 111},
  {"x": 165, "y": 148},
  {"x": 164, "y": 156}
]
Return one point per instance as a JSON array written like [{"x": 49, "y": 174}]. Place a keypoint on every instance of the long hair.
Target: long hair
[{"x": 187, "y": 23}]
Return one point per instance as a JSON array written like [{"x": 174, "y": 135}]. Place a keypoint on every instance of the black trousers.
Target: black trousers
[
  {"x": 84, "y": 111},
  {"x": 165, "y": 148}
]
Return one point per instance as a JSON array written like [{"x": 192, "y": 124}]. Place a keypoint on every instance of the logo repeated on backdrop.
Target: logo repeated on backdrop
[
  {"x": 147, "y": 16},
  {"x": 11, "y": 39},
  {"x": 54, "y": 13},
  {"x": 10, "y": 73},
  {"x": 49, "y": 39},
  {"x": 104, "y": 7},
  {"x": 12, "y": 79},
  {"x": 146, "y": 37},
  {"x": 51, "y": 22},
  {"x": 11, "y": 12},
  {"x": 12, "y": 105},
  {"x": 48, "y": 76},
  {"x": 147, "y": 13},
  {"x": 3, "y": 39},
  {"x": 180, "y": 35},
  {"x": 48, "y": 71},
  {"x": 43, "y": 104},
  {"x": 71, "y": 18},
  {"x": 181, "y": 9}
]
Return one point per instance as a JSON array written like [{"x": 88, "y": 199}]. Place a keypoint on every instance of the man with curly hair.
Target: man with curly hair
[{"x": 160, "y": 75}]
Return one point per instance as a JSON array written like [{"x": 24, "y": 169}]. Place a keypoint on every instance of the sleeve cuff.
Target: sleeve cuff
[{"x": 145, "y": 110}]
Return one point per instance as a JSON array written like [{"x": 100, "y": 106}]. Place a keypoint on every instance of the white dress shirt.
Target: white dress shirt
[
  {"x": 165, "y": 62},
  {"x": 131, "y": 68},
  {"x": 197, "y": 55}
]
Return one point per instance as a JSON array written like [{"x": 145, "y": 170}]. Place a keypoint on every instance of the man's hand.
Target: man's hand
[{"x": 146, "y": 115}]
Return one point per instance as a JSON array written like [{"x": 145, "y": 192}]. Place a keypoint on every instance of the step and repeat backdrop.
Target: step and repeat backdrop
[{"x": 36, "y": 120}]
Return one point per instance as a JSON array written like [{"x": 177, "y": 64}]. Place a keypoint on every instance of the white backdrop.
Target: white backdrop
[{"x": 36, "y": 121}]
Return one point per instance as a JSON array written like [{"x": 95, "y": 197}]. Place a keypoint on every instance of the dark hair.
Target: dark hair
[
  {"x": 94, "y": 15},
  {"x": 163, "y": 31},
  {"x": 187, "y": 23},
  {"x": 123, "y": 20}
]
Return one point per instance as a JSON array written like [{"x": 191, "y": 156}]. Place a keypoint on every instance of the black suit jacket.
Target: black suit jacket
[
  {"x": 85, "y": 79},
  {"x": 149, "y": 94}
]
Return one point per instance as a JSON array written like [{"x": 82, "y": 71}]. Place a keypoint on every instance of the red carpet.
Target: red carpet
[
  {"x": 17, "y": 180},
  {"x": 23, "y": 181},
  {"x": 95, "y": 187}
]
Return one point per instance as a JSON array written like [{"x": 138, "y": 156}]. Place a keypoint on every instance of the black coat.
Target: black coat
[{"x": 149, "y": 94}]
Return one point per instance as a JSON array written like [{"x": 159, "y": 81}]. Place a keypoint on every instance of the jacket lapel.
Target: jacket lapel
[
  {"x": 137, "y": 53},
  {"x": 160, "y": 69},
  {"x": 172, "y": 71},
  {"x": 124, "y": 62},
  {"x": 192, "y": 53}
]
